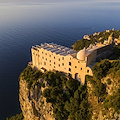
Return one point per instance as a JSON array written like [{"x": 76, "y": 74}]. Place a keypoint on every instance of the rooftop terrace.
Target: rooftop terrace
[{"x": 58, "y": 49}]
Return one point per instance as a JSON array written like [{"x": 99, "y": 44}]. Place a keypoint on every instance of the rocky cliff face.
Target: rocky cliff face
[
  {"x": 33, "y": 104},
  {"x": 102, "y": 94},
  {"x": 99, "y": 112}
]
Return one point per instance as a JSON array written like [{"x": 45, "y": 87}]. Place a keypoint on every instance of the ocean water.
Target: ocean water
[{"x": 24, "y": 24}]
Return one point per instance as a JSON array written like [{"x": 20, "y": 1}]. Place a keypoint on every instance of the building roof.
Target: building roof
[{"x": 58, "y": 49}]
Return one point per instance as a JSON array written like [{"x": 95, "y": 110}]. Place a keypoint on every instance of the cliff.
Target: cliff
[
  {"x": 104, "y": 91},
  {"x": 102, "y": 110},
  {"x": 52, "y": 95},
  {"x": 33, "y": 104}
]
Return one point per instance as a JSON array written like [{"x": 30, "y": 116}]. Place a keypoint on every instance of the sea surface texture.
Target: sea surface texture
[{"x": 24, "y": 24}]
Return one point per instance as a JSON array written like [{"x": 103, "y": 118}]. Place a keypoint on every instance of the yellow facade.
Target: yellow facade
[
  {"x": 56, "y": 57},
  {"x": 78, "y": 64}
]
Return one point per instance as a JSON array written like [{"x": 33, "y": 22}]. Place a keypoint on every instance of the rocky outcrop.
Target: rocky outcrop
[{"x": 33, "y": 104}]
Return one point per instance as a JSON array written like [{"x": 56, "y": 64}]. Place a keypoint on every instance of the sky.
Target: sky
[{"x": 20, "y": 1}]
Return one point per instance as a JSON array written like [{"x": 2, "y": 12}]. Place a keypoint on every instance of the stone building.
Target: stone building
[{"x": 50, "y": 56}]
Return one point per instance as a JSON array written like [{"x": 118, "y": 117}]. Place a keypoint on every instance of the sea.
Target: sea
[{"x": 24, "y": 24}]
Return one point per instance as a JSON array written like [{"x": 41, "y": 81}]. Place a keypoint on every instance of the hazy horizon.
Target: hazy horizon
[{"x": 49, "y": 1}]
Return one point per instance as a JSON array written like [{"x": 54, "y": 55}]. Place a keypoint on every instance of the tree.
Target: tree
[
  {"x": 76, "y": 94},
  {"x": 46, "y": 93},
  {"x": 100, "y": 89},
  {"x": 72, "y": 84},
  {"x": 54, "y": 92}
]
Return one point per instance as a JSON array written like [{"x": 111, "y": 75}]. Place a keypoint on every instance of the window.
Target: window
[
  {"x": 59, "y": 65},
  {"x": 70, "y": 63},
  {"x": 36, "y": 54},
  {"x": 45, "y": 53},
  {"x": 50, "y": 60},
  {"x": 78, "y": 61},
  {"x": 62, "y": 58},
  {"x": 54, "y": 62},
  {"x": 42, "y": 52},
  {"x": 70, "y": 69},
  {"x": 33, "y": 53},
  {"x": 49, "y": 55},
  {"x": 70, "y": 58},
  {"x": 54, "y": 66},
  {"x": 59, "y": 59},
  {"x": 44, "y": 63},
  {"x": 62, "y": 64},
  {"x": 54, "y": 57},
  {"x": 87, "y": 71},
  {"x": 46, "y": 58},
  {"x": 39, "y": 63},
  {"x": 81, "y": 68},
  {"x": 50, "y": 64},
  {"x": 75, "y": 66},
  {"x": 42, "y": 57}
]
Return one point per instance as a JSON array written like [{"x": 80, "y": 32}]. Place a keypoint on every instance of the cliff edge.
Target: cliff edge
[
  {"x": 33, "y": 104},
  {"x": 52, "y": 95}
]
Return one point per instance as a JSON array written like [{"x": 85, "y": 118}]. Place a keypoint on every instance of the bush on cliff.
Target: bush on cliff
[
  {"x": 100, "y": 70},
  {"x": 30, "y": 75},
  {"x": 80, "y": 44},
  {"x": 113, "y": 101},
  {"x": 69, "y": 98},
  {"x": 115, "y": 70}
]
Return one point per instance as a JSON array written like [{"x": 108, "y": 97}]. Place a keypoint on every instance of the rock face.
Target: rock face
[
  {"x": 99, "y": 112},
  {"x": 33, "y": 104}
]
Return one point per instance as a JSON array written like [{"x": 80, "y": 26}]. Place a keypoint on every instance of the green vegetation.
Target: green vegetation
[
  {"x": 30, "y": 76},
  {"x": 114, "y": 71},
  {"x": 98, "y": 86},
  {"x": 80, "y": 44},
  {"x": 113, "y": 101},
  {"x": 100, "y": 70},
  {"x": 68, "y": 97},
  {"x": 16, "y": 117}
]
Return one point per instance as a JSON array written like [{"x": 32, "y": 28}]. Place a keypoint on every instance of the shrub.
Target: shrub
[
  {"x": 30, "y": 76},
  {"x": 46, "y": 93}
]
